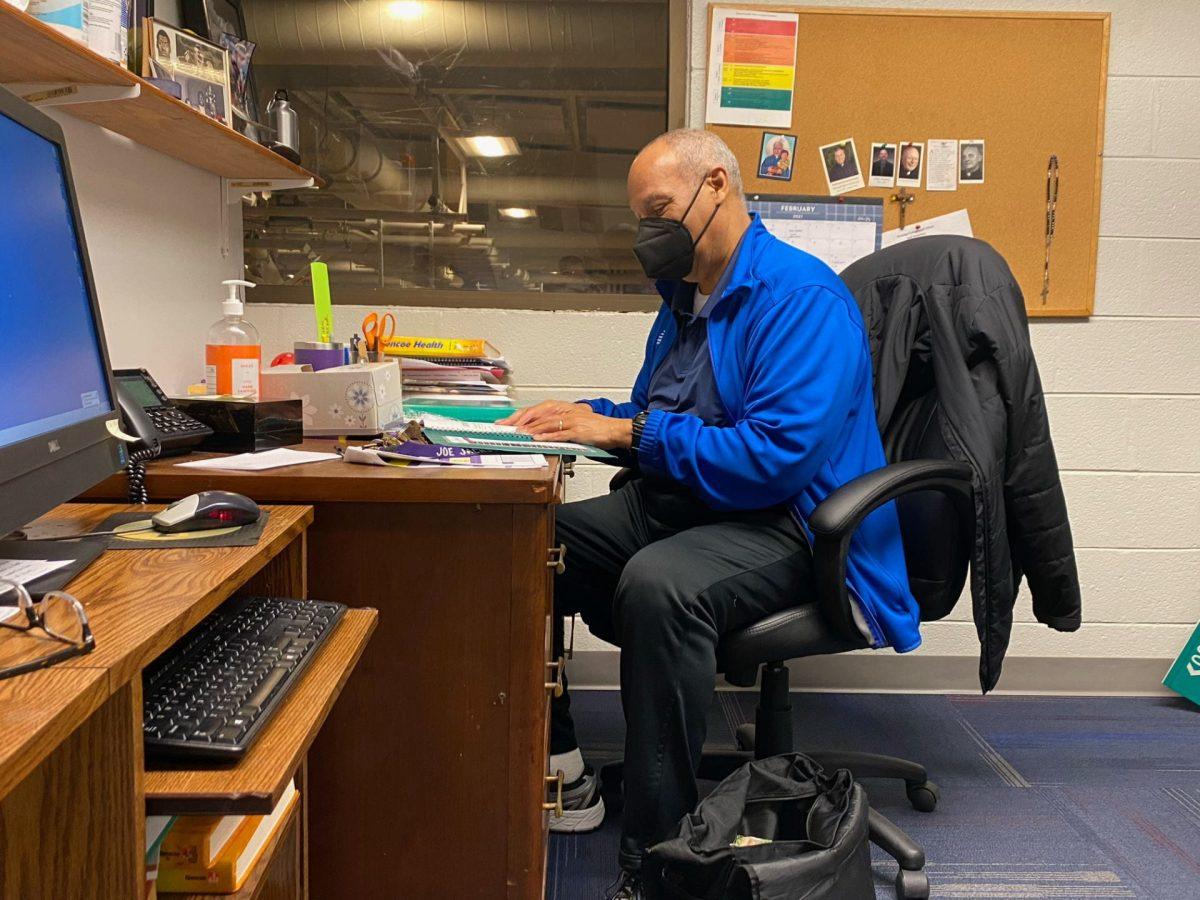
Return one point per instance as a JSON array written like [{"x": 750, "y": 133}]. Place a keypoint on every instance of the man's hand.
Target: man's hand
[{"x": 554, "y": 420}]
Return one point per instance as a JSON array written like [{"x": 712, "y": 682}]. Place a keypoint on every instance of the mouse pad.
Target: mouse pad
[{"x": 138, "y": 539}]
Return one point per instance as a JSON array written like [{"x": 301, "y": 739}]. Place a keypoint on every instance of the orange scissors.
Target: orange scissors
[{"x": 378, "y": 330}]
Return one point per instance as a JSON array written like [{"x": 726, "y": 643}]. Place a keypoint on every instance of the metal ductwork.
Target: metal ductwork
[
  {"x": 357, "y": 168},
  {"x": 567, "y": 190},
  {"x": 459, "y": 33}
]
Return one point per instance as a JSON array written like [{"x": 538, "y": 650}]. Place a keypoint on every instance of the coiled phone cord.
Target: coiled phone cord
[{"x": 135, "y": 474}]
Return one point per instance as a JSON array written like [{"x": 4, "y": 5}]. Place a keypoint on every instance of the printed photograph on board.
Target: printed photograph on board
[
  {"x": 970, "y": 162},
  {"x": 883, "y": 165},
  {"x": 842, "y": 171},
  {"x": 775, "y": 159},
  {"x": 912, "y": 160}
]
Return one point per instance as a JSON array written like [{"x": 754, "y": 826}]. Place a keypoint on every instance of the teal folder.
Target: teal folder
[{"x": 1184, "y": 676}]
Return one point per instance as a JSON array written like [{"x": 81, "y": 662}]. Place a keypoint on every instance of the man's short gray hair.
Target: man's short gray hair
[{"x": 700, "y": 151}]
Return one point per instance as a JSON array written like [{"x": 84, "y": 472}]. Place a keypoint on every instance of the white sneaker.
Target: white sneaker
[{"x": 583, "y": 807}]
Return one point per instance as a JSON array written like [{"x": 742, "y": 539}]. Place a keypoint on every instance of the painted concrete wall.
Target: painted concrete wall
[{"x": 154, "y": 229}]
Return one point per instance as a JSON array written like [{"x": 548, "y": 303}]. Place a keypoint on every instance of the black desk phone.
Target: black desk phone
[{"x": 147, "y": 414}]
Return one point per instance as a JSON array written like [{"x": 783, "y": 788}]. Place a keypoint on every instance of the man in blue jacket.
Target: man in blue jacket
[{"x": 754, "y": 402}]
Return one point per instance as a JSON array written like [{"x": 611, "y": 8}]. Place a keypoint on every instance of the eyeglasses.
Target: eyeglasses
[{"x": 55, "y": 619}]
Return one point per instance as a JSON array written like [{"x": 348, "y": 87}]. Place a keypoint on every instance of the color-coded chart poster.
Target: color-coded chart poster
[{"x": 751, "y": 68}]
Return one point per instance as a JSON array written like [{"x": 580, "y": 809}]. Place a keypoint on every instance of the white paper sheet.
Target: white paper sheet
[
  {"x": 24, "y": 571},
  {"x": 27, "y": 570},
  {"x": 941, "y": 165},
  {"x": 751, "y": 68},
  {"x": 957, "y": 222},
  {"x": 257, "y": 462}
]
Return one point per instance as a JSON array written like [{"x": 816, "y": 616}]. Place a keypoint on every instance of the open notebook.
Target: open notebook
[{"x": 487, "y": 436}]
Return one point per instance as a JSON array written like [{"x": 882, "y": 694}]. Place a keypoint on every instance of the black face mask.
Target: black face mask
[{"x": 665, "y": 247}]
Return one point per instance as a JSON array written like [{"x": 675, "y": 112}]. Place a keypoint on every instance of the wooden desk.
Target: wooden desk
[
  {"x": 73, "y": 787},
  {"x": 442, "y": 734}
]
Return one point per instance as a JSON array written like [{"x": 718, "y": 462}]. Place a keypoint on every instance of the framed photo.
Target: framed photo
[
  {"x": 911, "y": 165},
  {"x": 223, "y": 23},
  {"x": 199, "y": 68},
  {"x": 777, "y": 155},
  {"x": 883, "y": 165},
  {"x": 970, "y": 161},
  {"x": 840, "y": 163}
]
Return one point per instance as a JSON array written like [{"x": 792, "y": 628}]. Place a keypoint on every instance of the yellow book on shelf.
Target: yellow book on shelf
[
  {"x": 230, "y": 869},
  {"x": 198, "y": 840},
  {"x": 407, "y": 345}
]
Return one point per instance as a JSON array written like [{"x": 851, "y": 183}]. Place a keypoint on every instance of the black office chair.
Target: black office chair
[{"x": 937, "y": 519}]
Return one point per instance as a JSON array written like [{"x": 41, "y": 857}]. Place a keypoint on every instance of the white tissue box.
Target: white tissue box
[{"x": 361, "y": 399}]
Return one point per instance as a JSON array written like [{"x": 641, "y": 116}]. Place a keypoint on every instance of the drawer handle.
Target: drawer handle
[
  {"x": 556, "y": 807},
  {"x": 558, "y": 559},
  {"x": 559, "y": 666}
]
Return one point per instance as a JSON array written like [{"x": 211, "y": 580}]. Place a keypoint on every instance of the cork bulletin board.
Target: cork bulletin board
[{"x": 1031, "y": 85}]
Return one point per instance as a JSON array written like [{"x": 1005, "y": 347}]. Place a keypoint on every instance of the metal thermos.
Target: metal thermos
[{"x": 282, "y": 119}]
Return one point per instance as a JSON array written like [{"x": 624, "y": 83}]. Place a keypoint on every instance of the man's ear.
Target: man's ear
[{"x": 718, "y": 179}]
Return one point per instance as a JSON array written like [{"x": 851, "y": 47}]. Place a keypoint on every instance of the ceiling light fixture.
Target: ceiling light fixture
[
  {"x": 517, "y": 212},
  {"x": 488, "y": 145},
  {"x": 405, "y": 10}
]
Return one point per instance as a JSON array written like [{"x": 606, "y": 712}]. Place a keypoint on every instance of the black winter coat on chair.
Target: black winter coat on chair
[{"x": 947, "y": 319}]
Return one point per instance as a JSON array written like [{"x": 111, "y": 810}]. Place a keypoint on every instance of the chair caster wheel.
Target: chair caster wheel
[
  {"x": 912, "y": 885},
  {"x": 923, "y": 797}
]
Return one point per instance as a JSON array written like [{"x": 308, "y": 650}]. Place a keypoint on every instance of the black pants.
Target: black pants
[{"x": 658, "y": 573}]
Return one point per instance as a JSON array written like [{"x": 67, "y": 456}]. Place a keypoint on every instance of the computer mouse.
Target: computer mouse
[{"x": 207, "y": 509}]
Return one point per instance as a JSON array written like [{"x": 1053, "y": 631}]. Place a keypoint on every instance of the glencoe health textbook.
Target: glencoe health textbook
[{"x": 401, "y": 345}]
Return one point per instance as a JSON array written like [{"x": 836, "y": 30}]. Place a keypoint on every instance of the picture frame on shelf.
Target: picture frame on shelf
[
  {"x": 223, "y": 23},
  {"x": 199, "y": 67}
]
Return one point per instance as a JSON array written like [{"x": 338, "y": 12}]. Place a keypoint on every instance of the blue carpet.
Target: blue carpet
[{"x": 1042, "y": 797}]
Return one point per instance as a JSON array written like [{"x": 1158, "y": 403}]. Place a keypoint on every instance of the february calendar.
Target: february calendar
[{"x": 836, "y": 230}]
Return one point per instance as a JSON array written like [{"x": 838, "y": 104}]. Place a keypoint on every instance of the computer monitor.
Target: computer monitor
[{"x": 56, "y": 393}]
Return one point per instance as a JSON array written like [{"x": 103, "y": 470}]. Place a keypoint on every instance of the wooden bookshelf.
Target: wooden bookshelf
[
  {"x": 32, "y": 53},
  {"x": 256, "y": 783}
]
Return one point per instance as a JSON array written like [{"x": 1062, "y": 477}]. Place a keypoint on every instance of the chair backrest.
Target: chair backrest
[{"x": 937, "y": 533}]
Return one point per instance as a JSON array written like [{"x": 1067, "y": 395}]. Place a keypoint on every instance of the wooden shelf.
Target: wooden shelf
[
  {"x": 284, "y": 839},
  {"x": 255, "y": 784},
  {"x": 33, "y": 53}
]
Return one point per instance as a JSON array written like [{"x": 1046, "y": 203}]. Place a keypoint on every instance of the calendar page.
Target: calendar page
[{"x": 836, "y": 230}]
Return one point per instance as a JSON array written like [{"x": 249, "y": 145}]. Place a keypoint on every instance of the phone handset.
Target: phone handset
[{"x": 137, "y": 422}]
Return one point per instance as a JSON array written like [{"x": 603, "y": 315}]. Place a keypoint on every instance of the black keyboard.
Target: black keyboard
[{"x": 209, "y": 695}]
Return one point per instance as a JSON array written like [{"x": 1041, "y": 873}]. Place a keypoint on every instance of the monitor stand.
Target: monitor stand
[{"x": 81, "y": 553}]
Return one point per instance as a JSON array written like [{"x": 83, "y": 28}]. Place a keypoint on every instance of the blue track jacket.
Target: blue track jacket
[{"x": 792, "y": 366}]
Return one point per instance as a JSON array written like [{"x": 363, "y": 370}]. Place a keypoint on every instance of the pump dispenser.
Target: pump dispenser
[{"x": 233, "y": 351}]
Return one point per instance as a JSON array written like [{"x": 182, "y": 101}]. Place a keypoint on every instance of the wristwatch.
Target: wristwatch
[{"x": 639, "y": 422}]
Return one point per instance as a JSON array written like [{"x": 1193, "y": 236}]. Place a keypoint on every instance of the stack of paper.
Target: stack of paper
[
  {"x": 474, "y": 382},
  {"x": 468, "y": 372}
]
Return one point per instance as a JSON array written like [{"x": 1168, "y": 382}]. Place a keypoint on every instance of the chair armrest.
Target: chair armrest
[
  {"x": 834, "y": 522},
  {"x": 621, "y": 478}
]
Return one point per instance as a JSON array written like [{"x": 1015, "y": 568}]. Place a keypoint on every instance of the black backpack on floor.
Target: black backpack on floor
[{"x": 816, "y": 823}]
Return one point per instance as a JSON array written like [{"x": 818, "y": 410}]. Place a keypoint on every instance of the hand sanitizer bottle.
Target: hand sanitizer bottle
[{"x": 233, "y": 351}]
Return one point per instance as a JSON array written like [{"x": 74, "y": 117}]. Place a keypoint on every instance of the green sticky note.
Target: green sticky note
[
  {"x": 322, "y": 303},
  {"x": 1184, "y": 677}
]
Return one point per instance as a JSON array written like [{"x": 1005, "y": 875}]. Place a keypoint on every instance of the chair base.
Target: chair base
[{"x": 922, "y": 793}]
